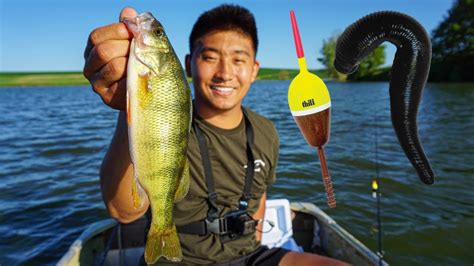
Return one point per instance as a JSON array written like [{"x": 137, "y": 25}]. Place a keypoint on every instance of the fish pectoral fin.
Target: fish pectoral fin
[
  {"x": 183, "y": 186},
  {"x": 138, "y": 194},
  {"x": 162, "y": 244}
]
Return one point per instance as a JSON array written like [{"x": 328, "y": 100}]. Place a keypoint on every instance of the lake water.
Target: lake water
[{"x": 53, "y": 139}]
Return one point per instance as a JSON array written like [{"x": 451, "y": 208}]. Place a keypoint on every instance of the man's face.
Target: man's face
[{"x": 222, "y": 66}]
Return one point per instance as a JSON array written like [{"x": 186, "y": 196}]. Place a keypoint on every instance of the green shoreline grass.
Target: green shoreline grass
[{"x": 24, "y": 79}]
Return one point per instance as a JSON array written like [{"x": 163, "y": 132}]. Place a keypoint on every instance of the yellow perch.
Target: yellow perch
[{"x": 158, "y": 117}]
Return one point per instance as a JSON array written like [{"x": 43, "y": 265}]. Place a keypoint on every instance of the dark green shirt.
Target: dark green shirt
[{"x": 227, "y": 151}]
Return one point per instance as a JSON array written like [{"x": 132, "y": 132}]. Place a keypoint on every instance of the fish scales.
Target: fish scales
[{"x": 158, "y": 116}]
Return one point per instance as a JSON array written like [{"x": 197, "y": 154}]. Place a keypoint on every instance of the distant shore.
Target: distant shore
[{"x": 23, "y": 79}]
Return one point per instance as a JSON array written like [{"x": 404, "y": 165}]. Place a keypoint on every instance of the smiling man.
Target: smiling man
[
  {"x": 222, "y": 65},
  {"x": 232, "y": 151}
]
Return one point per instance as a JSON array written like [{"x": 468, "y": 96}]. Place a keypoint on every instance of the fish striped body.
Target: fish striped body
[{"x": 158, "y": 116}]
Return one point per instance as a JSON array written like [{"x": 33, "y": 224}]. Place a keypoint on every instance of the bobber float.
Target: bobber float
[{"x": 310, "y": 105}]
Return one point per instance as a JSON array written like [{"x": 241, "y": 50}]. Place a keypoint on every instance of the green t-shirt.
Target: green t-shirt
[{"x": 227, "y": 152}]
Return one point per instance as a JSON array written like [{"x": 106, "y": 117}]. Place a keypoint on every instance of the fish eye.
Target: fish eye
[{"x": 159, "y": 32}]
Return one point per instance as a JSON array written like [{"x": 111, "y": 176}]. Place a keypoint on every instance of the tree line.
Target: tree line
[{"x": 452, "y": 50}]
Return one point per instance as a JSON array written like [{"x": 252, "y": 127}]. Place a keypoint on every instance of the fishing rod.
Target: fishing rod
[{"x": 377, "y": 195}]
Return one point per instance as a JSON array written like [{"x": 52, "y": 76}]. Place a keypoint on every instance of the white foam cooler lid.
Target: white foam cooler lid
[{"x": 278, "y": 212}]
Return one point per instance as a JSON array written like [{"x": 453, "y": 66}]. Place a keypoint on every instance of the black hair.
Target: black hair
[{"x": 223, "y": 18}]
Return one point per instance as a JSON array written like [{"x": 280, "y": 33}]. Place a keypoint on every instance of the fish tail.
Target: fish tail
[{"x": 162, "y": 243}]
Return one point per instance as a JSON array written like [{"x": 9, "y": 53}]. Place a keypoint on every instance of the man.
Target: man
[{"x": 222, "y": 63}]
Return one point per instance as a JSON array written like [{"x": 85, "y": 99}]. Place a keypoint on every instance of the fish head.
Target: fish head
[{"x": 151, "y": 45}]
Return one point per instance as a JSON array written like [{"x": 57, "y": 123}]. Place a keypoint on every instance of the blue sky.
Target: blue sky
[{"x": 51, "y": 35}]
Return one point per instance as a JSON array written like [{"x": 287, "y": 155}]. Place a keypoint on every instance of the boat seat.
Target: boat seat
[{"x": 277, "y": 226}]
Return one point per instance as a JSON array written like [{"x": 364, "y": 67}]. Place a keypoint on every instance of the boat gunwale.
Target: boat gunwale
[
  {"x": 93, "y": 230},
  {"x": 326, "y": 220}
]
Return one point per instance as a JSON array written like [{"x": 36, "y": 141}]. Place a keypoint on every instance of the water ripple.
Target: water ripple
[{"x": 53, "y": 140}]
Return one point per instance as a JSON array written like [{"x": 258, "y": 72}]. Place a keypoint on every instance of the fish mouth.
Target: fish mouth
[
  {"x": 222, "y": 90},
  {"x": 145, "y": 27},
  {"x": 145, "y": 18}
]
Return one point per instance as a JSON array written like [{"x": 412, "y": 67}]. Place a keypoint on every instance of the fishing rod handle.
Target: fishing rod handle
[{"x": 331, "y": 199}]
